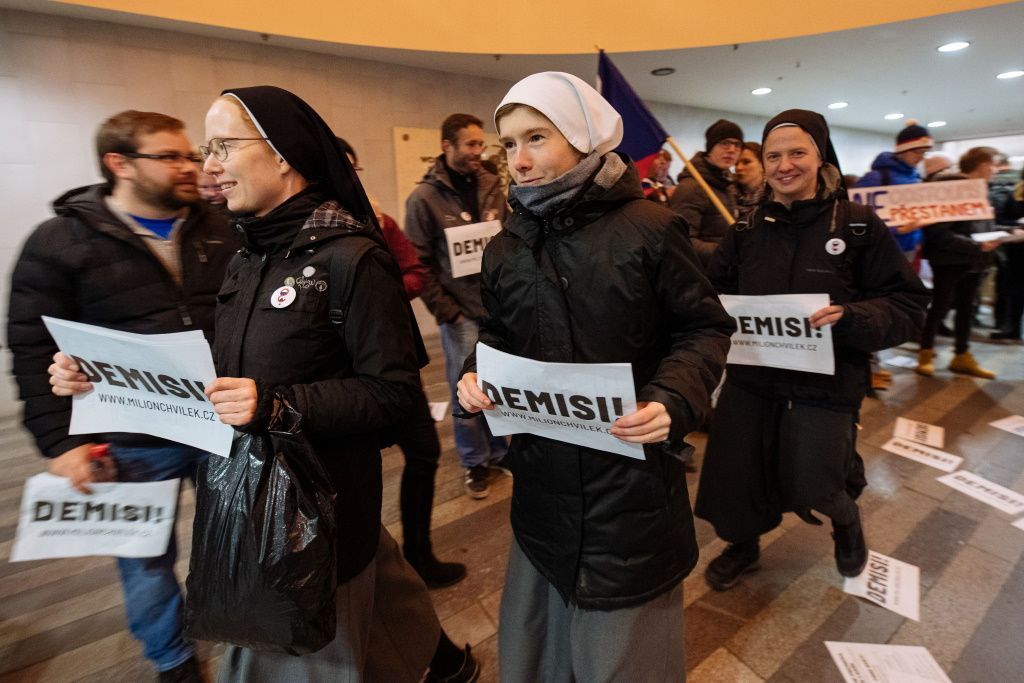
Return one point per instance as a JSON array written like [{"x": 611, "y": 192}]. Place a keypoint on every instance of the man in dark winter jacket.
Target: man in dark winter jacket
[
  {"x": 587, "y": 271},
  {"x": 140, "y": 253},
  {"x": 707, "y": 225},
  {"x": 456, "y": 191},
  {"x": 783, "y": 440}
]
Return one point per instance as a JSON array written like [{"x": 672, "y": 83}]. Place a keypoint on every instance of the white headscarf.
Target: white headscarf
[{"x": 578, "y": 111}]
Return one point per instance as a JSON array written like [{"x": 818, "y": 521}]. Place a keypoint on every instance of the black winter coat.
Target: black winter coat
[
  {"x": 950, "y": 244},
  {"x": 706, "y": 225},
  {"x": 782, "y": 251},
  {"x": 345, "y": 382},
  {"x": 88, "y": 266},
  {"x": 610, "y": 279}
]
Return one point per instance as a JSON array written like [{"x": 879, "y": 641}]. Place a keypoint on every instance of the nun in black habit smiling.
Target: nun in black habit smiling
[{"x": 300, "y": 205}]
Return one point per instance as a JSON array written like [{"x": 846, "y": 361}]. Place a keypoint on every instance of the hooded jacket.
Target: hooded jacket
[
  {"x": 706, "y": 226},
  {"x": 609, "y": 278},
  {"x": 86, "y": 265},
  {"x": 433, "y": 206},
  {"x": 889, "y": 169}
]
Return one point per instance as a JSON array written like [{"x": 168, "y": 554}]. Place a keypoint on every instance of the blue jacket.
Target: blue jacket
[{"x": 889, "y": 169}]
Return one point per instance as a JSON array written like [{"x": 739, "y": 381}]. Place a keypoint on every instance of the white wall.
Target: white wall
[{"x": 60, "y": 77}]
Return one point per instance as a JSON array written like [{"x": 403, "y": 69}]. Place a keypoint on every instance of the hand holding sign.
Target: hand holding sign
[
  {"x": 234, "y": 399},
  {"x": 66, "y": 378},
  {"x": 649, "y": 424},
  {"x": 76, "y": 466},
  {"x": 471, "y": 397},
  {"x": 829, "y": 315}
]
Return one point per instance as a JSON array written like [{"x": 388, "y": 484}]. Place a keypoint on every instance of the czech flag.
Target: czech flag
[{"x": 643, "y": 136}]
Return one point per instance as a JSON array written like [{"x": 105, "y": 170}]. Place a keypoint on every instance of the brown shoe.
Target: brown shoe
[
  {"x": 925, "y": 362},
  {"x": 965, "y": 364},
  {"x": 879, "y": 381}
]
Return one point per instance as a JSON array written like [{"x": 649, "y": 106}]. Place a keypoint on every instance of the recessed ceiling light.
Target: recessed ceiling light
[
  {"x": 663, "y": 71},
  {"x": 893, "y": 116},
  {"x": 760, "y": 91},
  {"x": 953, "y": 47},
  {"x": 936, "y": 124},
  {"x": 839, "y": 105},
  {"x": 1010, "y": 74}
]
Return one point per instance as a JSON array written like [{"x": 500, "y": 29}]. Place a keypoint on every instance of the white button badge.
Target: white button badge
[
  {"x": 835, "y": 246},
  {"x": 308, "y": 271},
  {"x": 282, "y": 297}
]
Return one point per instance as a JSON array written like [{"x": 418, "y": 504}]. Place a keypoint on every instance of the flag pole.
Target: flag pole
[{"x": 703, "y": 183}]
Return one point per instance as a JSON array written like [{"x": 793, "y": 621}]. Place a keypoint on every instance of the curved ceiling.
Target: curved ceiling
[{"x": 522, "y": 27}]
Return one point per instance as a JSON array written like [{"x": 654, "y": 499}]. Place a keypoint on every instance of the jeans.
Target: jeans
[
  {"x": 152, "y": 598},
  {"x": 473, "y": 440}
]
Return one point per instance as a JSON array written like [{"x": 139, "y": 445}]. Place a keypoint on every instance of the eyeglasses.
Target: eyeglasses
[
  {"x": 170, "y": 158},
  {"x": 218, "y": 147}
]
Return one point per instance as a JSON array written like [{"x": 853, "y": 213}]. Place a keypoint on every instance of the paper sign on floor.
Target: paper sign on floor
[
  {"x": 1013, "y": 424},
  {"x": 947, "y": 462},
  {"x": 900, "y": 362},
  {"x": 571, "y": 402},
  {"x": 921, "y": 432},
  {"x": 438, "y": 411},
  {"x": 870, "y": 663},
  {"x": 119, "y": 519},
  {"x": 986, "y": 491},
  {"x": 1019, "y": 523},
  {"x": 889, "y": 583}
]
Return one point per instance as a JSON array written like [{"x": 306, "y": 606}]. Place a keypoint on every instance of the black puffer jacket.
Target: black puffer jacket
[
  {"x": 782, "y": 251},
  {"x": 611, "y": 279},
  {"x": 86, "y": 265},
  {"x": 707, "y": 227},
  {"x": 345, "y": 382}
]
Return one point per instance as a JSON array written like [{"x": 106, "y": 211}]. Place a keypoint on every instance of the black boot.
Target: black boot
[
  {"x": 186, "y": 672},
  {"x": 738, "y": 559},
  {"x": 851, "y": 549},
  {"x": 437, "y": 574},
  {"x": 468, "y": 673}
]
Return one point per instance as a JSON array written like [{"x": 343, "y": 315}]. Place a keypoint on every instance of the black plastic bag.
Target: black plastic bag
[{"x": 263, "y": 569}]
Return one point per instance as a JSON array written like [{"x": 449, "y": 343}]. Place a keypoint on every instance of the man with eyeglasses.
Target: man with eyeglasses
[
  {"x": 722, "y": 149},
  {"x": 139, "y": 253}
]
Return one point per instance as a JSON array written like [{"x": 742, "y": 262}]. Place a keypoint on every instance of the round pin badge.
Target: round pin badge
[
  {"x": 308, "y": 271},
  {"x": 289, "y": 281},
  {"x": 466, "y": 216},
  {"x": 282, "y": 297},
  {"x": 835, "y": 246}
]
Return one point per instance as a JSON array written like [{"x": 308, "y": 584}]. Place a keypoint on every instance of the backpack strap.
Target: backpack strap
[{"x": 345, "y": 260}]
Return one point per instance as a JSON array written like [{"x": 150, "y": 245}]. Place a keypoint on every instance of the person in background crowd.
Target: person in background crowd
[
  {"x": 749, "y": 177},
  {"x": 1000, "y": 189},
  {"x": 1009, "y": 215},
  {"x": 707, "y": 227},
  {"x": 658, "y": 185},
  {"x": 138, "y": 253},
  {"x": 209, "y": 191},
  {"x": 958, "y": 265},
  {"x": 457, "y": 191},
  {"x": 601, "y": 542},
  {"x": 784, "y": 440},
  {"x": 935, "y": 165},
  {"x": 417, "y": 436},
  {"x": 850, "y": 179}
]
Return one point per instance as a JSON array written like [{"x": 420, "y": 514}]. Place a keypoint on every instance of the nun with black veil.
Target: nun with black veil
[{"x": 299, "y": 205}]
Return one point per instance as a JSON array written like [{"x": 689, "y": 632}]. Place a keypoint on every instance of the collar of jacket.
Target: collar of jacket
[
  {"x": 437, "y": 175},
  {"x": 89, "y": 206},
  {"x": 715, "y": 177},
  {"x": 592, "y": 203},
  {"x": 800, "y": 213}
]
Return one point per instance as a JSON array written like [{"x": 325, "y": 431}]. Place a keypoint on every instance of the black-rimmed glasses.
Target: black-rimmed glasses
[
  {"x": 169, "y": 158},
  {"x": 218, "y": 147}
]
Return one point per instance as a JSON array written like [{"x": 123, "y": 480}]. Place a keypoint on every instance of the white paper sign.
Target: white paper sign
[
  {"x": 466, "y": 246},
  {"x": 774, "y": 331},
  {"x": 572, "y": 402},
  {"x": 890, "y": 583},
  {"x": 921, "y": 432},
  {"x": 989, "y": 236},
  {"x": 438, "y": 411},
  {"x": 986, "y": 491},
  {"x": 123, "y": 520},
  {"x": 947, "y": 462},
  {"x": 900, "y": 362},
  {"x": 870, "y": 663},
  {"x": 143, "y": 383},
  {"x": 949, "y": 200},
  {"x": 1013, "y": 424},
  {"x": 1019, "y": 523}
]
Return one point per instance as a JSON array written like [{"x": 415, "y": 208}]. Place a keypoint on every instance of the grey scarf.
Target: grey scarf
[{"x": 545, "y": 200}]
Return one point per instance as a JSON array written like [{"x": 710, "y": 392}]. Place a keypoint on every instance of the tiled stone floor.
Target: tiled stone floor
[{"x": 63, "y": 620}]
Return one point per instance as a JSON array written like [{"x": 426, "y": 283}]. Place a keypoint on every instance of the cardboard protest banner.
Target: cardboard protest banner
[
  {"x": 986, "y": 491},
  {"x": 146, "y": 384},
  {"x": 870, "y": 663},
  {"x": 888, "y": 583},
  {"x": 571, "y": 402},
  {"x": 950, "y": 200},
  {"x": 119, "y": 519},
  {"x": 921, "y": 432},
  {"x": 1013, "y": 424},
  {"x": 775, "y": 331},
  {"x": 466, "y": 246},
  {"x": 933, "y": 457}
]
